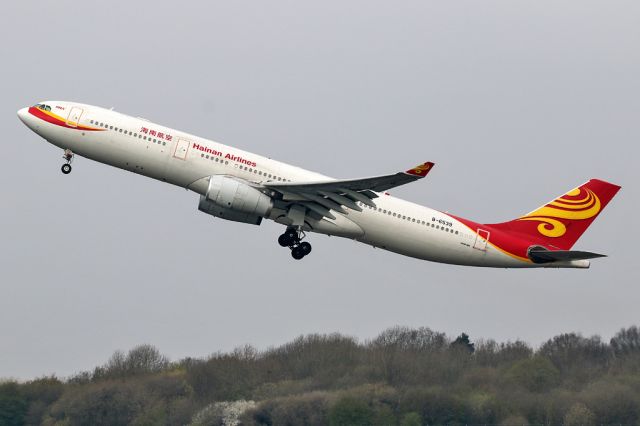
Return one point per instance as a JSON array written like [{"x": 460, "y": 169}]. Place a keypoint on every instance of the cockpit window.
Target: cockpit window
[{"x": 43, "y": 107}]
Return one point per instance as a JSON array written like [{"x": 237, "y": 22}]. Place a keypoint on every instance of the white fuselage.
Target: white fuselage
[{"x": 185, "y": 160}]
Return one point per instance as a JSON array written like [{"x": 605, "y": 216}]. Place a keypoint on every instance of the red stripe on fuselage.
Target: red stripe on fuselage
[{"x": 38, "y": 113}]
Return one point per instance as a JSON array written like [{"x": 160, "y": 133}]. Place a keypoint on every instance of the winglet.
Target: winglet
[{"x": 421, "y": 170}]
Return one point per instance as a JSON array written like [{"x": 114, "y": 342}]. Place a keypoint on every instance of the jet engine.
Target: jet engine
[{"x": 231, "y": 199}]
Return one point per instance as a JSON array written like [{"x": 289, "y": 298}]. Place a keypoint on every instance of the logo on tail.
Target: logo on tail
[{"x": 578, "y": 204}]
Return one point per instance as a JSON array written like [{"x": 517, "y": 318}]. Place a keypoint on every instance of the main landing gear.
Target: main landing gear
[
  {"x": 291, "y": 238},
  {"x": 68, "y": 156}
]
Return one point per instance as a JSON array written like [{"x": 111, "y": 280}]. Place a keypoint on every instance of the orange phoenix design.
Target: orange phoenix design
[
  {"x": 578, "y": 204},
  {"x": 421, "y": 170}
]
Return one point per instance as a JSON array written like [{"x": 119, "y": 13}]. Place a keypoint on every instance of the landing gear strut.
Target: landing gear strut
[
  {"x": 68, "y": 156},
  {"x": 292, "y": 238}
]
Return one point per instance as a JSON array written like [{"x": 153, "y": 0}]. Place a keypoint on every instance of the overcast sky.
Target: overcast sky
[{"x": 515, "y": 101}]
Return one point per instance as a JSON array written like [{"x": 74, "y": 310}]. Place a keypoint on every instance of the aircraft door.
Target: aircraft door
[
  {"x": 74, "y": 116},
  {"x": 181, "y": 149},
  {"x": 482, "y": 238}
]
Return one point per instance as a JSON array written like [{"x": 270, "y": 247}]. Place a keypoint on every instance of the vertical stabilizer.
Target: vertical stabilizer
[{"x": 561, "y": 222}]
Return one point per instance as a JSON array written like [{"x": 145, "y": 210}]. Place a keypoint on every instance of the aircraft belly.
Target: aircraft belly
[{"x": 341, "y": 226}]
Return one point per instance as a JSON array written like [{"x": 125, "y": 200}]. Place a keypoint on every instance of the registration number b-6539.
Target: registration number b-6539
[{"x": 442, "y": 222}]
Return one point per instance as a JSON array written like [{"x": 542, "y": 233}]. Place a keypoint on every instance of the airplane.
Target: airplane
[{"x": 244, "y": 187}]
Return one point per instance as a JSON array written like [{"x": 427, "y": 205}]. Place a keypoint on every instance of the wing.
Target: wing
[{"x": 323, "y": 196}]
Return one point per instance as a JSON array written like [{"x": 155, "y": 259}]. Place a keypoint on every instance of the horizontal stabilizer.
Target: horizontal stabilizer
[{"x": 546, "y": 256}]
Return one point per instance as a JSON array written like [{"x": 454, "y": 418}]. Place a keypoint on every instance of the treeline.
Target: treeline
[{"x": 402, "y": 377}]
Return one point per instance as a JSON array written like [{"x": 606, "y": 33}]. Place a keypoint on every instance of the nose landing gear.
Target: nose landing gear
[
  {"x": 68, "y": 156},
  {"x": 292, "y": 238}
]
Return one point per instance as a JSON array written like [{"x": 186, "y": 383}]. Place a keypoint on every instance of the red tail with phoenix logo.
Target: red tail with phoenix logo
[{"x": 561, "y": 222}]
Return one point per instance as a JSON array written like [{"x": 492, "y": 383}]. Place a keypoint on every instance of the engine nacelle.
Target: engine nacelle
[{"x": 230, "y": 199}]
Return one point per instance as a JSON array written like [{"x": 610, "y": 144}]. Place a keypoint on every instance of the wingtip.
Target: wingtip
[{"x": 421, "y": 170}]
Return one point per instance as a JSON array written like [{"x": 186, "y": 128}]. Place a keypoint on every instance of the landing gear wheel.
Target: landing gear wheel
[
  {"x": 305, "y": 248},
  {"x": 297, "y": 253},
  {"x": 291, "y": 235},
  {"x": 284, "y": 240},
  {"x": 291, "y": 238},
  {"x": 68, "y": 156}
]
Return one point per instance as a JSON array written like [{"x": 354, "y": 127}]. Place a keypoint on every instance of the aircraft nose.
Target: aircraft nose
[{"x": 22, "y": 114}]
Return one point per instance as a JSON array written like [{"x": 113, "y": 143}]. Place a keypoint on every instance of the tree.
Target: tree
[
  {"x": 13, "y": 404},
  {"x": 411, "y": 419},
  {"x": 142, "y": 359},
  {"x": 626, "y": 341},
  {"x": 40, "y": 394},
  {"x": 579, "y": 415},
  {"x": 536, "y": 374},
  {"x": 570, "y": 350},
  {"x": 462, "y": 341},
  {"x": 145, "y": 359},
  {"x": 105, "y": 403},
  {"x": 516, "y": 420},
  {"x": 412, "y": 339},
  {"x": 349, "y": 411}
]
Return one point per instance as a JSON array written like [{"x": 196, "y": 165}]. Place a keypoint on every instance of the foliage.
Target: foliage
[
  {"x": 13, "y": 404},
  {"x": 411, "y": 419},
  {"x": 536, "y": 374},
  {"x": 579, "y": 415},
  {"x": 464, "y": 343},
  {"x": 404, "y": 377},
  {"x": 349, "y": 411}
]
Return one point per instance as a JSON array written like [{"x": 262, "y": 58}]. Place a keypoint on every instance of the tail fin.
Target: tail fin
[{"x": 561, "y": 222}]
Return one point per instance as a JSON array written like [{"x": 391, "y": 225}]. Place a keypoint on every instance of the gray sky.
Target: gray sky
[{"x": 516, "y": 102}]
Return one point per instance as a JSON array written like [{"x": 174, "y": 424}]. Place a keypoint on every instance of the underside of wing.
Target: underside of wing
[{"x": 321, "y": 197}]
